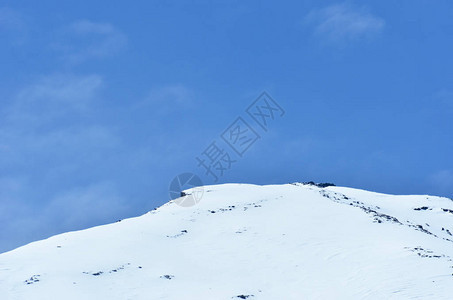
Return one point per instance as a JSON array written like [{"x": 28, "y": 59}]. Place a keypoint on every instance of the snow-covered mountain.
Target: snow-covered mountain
[{"x": 294, "y": 241}]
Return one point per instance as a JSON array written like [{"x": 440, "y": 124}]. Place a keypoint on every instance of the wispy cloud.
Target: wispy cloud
[
  {"x": 12, "y": 25},
  {"x": 10, "y": 19},
  {"x": 50, "y": 131},
  {"x": 84, "y": 40},
  {"x": 173, "y": 94},
  {"x": 343, "y": 23},
  {"x": 52, "y": 116},
  {"x": 54, "y": 96},
  {"x": 167, "y": 98}
]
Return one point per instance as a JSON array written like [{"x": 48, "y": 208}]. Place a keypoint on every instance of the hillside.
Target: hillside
[{"x": 293, "y": 241}]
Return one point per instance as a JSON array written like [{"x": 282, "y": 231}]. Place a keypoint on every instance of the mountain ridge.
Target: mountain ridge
[{"x": 292, "y": 241}]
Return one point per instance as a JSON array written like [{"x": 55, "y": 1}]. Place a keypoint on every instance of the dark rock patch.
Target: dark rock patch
[
  {"x": 320, "y": 185},
  {"x": 244, "y": 296},
  {"x": 422, "y": 208},
  {"x": 33, "y": 279}
]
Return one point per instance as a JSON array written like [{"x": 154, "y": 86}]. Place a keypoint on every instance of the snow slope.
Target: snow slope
[{"x": 241, "y": 241}]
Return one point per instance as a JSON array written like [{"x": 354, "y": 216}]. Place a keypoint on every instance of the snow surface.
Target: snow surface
[{"x": 242, "y": 241}]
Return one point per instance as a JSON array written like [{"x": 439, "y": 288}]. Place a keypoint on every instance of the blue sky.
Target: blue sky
[{"x": 102, "y": 104}]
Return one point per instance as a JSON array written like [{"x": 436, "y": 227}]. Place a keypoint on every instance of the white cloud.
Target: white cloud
[
  {"x": 342, "y": 23},
  {"x": 10, "y": 19},
  {"x": 13, "y": 26},
  {"x": 84, "y": 40},
  {"x": 50, "y": 130},
  {"x": 52, "y": 120},
  {"x": 88, "y": 27},
  {"x": 166, "y": 99},
  {"x": 173, "y": 94},
  {"x": 54, "y": 96}
]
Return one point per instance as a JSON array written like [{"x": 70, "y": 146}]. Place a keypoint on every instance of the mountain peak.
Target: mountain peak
[{"x": 242, "y": 241}]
